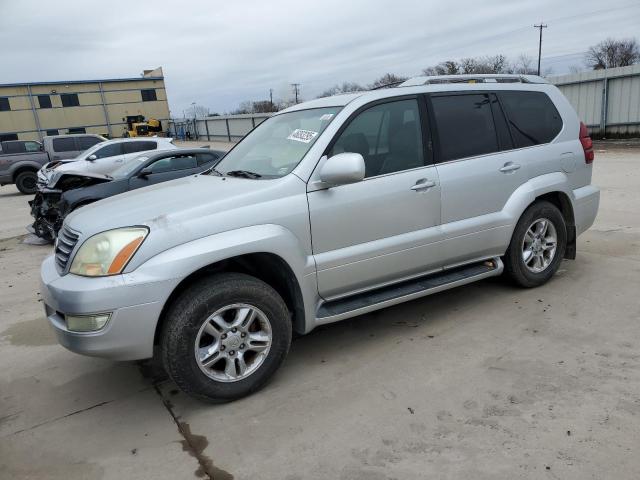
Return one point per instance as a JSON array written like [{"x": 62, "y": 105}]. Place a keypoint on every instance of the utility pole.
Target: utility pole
[
  {"x": 540, "y": 27},
  {"x": 271, "y": 98},
  {"x": 296, "y": 89}
]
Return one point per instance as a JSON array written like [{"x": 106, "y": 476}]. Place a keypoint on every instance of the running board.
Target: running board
[{"x": 408, "y": 290}]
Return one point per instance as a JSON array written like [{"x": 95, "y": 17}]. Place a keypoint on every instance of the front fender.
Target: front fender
[{"x": 181, "y": 261}]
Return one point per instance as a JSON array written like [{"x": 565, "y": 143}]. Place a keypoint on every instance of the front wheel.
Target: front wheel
[
  {"x": 225, "y": 337},
  {"x": 537, "y": 246},
  {"x": 27, "y": 182}
]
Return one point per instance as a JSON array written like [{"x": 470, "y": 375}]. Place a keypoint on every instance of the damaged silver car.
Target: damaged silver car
[{"x": 69, "y": 190}]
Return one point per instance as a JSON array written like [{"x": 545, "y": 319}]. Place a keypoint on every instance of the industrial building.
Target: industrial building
[{"x": 29, "y": 111}]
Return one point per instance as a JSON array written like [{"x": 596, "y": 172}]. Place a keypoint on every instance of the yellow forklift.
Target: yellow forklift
[{"x": 137, "y": 126}]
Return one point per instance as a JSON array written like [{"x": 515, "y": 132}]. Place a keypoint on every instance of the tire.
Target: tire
[
  {"x": 189, "y": 320},
  {"x": 536, "y": 271},
  {"x": 27, "y": 182}
]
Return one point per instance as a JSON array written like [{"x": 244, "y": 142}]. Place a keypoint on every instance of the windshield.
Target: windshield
[
  {"x": 276, "y": 146},
  {"x": 129, "y": 167}
]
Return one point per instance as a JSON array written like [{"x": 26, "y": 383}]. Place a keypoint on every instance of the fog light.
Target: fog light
[{"x": 86, "y": 323}]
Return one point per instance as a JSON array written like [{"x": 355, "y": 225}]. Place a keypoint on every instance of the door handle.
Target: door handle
[
  {"x": 423, "y": 184},
  {"x": 510, "y": 167}
]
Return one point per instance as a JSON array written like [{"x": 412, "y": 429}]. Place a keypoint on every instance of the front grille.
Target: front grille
[{"x": 67, "y": 240}]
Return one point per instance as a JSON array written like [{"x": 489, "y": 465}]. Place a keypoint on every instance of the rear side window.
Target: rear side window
[
  {"x": 32, "y": 146},
  {"x": 109, "y": 150},
  {"x": 13, "y": 147},
  {"x": 133, "y": 147},
  {"x": 87, "y": 142},
  {"x": 532, "y": 117},
  {"x": 465, "y": 126},
  {"x": 65, "y": 144},
  {"x": 204, "y": 158},
  {"x": 182, "y": 162}
]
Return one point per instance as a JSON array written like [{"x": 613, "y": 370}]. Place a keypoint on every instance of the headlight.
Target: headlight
[{"x": 107, "y": 253}]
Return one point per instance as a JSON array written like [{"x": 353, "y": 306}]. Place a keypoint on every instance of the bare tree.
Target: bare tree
[
  {"x": 387, "y": 79},
  {"x": 612, "y": 53},
  {"x": 344, "y": 87},
  {"x": 524, "y": 65},
  {"x": 448, "y": 67},
  {"x": 197, "y": 111},
  {"x": 264, "y": 106},
  {"x": 243, "y": 108}
]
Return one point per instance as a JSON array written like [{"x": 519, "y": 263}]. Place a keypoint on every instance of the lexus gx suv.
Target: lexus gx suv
[{"x": 327, "y": 210}]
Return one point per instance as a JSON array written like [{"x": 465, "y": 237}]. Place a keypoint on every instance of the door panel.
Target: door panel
[
  {"x": 478, "y": 173},
  {"x": 376, "y": 231},
  {"x": 385, "y": 228}
]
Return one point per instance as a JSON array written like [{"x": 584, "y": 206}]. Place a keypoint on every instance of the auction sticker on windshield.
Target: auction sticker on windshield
[{"x": 304, "y": 136}]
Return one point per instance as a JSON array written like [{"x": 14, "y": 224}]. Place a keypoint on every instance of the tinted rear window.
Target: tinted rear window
[
  {"x": 87, "y": 142},
  {"x": 532, "y": 117},
  {"x": 66, "y": 144},
  {"x": 465, "y": 126},
  {"x": 132, "y": 147}
]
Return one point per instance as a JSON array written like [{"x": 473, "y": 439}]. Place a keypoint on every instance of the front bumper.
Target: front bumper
[{"x": 135, "y": 304}]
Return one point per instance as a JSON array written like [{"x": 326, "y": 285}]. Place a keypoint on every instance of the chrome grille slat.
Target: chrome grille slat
[{"x": 67, "y": 240}]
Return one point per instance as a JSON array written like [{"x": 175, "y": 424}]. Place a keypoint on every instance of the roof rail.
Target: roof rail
[{"x": 473, "y": 78}]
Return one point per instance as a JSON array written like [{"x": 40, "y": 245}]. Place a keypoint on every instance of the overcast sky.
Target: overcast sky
[{"x": 218, "y": 53}]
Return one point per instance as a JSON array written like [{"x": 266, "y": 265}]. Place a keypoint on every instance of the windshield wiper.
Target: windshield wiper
[
  {"x": 213, "y": 171},
  {"x": 243, "y": 173}
]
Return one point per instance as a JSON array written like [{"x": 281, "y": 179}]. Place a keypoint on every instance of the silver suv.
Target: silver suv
[{"x": 327, "y": 210}]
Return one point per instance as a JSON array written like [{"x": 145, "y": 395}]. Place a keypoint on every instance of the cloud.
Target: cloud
[{"x": 220, "y": 53}]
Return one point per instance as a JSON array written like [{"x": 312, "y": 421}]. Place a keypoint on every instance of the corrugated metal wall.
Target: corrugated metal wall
[
  {"x": 617, "y": 88},
  {"x": 230, "y": 128}
]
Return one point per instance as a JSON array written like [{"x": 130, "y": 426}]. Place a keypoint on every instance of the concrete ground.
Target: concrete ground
[{"x": 484, "y": 382}]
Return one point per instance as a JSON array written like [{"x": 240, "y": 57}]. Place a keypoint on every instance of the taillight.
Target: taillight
[{"x": 587, "y": 143}]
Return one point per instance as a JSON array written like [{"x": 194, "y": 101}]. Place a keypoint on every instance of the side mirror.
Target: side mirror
[
  {"x": 145, "y": 172},
  {"x": 92, "y": 158},
  {"x": 342, "y": 168}
]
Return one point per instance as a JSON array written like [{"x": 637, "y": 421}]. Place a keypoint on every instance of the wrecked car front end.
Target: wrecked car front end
[{"x": 49, "y": 206}]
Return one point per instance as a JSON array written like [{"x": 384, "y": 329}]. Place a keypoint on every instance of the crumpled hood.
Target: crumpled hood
[
  {"x": 70, "y": 179},
  {"x": 189, "y": 208}
]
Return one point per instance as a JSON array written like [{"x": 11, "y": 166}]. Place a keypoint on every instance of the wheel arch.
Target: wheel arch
[
  {"x": 553, "y": 188},
  {"x": 268, "y": 267},
  {"x": 23, "y": 168},
  {"x": 562, "y": 201}
]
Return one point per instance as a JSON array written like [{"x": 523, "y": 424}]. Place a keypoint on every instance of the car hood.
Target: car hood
[
  {"x": 70, "y": 179},
  {"x": 189, "y": 208}
]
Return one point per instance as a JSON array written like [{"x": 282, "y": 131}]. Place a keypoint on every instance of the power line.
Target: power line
[{"x": 540, "y": 27}]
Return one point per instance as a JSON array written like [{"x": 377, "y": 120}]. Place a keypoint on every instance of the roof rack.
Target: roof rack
[{"x": 473, "y": 78}]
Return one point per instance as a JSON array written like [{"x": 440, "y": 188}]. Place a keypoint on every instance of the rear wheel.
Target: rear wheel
[
  {"x": 537, "y": 246},
  {"x": 27, "y": 182},
  {"x": 225, "y": 337}
]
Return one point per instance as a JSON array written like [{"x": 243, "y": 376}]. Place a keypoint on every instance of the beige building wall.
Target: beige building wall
[{"x": 104, "y": 106}]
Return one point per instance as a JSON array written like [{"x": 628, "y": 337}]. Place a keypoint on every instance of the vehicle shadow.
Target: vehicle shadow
[{"x": 421, "y": 319}]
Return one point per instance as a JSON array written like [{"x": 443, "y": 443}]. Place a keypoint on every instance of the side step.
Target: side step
[{"x": 360, "y": 303}]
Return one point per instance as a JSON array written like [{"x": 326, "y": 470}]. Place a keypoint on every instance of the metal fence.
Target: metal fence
[
  {"x": 225, "y": 128},
  {"x": 607, "y": 101}
]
